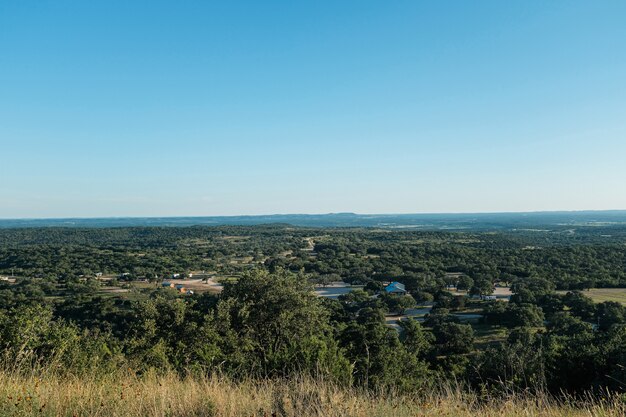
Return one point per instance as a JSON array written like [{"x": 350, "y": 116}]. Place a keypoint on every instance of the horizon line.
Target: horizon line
[{"x": 320, "y": 214}]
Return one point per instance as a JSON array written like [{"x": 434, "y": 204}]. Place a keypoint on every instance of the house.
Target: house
[{"x": 395, "y": 288}]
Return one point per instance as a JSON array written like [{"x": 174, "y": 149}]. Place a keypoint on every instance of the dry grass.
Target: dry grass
[
  {"x": 151, "y": 395},
  {"x": 600, "y": 295}
]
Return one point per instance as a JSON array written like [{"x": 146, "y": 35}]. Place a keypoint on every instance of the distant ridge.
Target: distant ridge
[{"x": 434, "y": 221}]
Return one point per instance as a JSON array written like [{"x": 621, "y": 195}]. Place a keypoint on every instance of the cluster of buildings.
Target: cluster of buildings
[{"x": 178, "y": 287}]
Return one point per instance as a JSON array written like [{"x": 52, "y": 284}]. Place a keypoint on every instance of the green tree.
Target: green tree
[
  {"x": 580, "y": 305},
  {"x": 482, "y": 286},
  {"x": 273, "y": 324},
  {"x": 380, "y": 360},
  {"x": 609, "y": 313},
  {"x": 464, "y": 283},
  {"x": 415, "y": 339},
  {"x": 453, "y": 338}
]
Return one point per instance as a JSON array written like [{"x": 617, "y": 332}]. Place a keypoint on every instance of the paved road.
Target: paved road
[{"x": 335, "y": 289}]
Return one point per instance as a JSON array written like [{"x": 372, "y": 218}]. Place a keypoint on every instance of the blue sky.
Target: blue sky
[{"x": 157, "y": 108}]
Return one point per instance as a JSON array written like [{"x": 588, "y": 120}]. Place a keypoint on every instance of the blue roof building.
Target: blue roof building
[{"x": 395, "y": 288}]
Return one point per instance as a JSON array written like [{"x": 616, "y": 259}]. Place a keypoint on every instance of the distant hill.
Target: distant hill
[{"x": 467, "y": 221}]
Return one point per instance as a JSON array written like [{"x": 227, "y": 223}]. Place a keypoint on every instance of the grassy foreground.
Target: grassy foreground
[{"x": 127, "y": 395}]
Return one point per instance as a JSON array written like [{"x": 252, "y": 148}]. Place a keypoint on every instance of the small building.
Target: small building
[{"x": 396, "y": 288}]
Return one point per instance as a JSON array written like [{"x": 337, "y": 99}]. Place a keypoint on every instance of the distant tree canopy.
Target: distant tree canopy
[{"x": 57, "y": 310}]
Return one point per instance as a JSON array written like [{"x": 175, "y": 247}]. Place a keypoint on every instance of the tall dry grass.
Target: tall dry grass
[{"x": 125, "y": 394}]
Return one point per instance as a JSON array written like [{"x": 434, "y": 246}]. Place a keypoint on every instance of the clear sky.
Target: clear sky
[{"x": 157, "y": 108}]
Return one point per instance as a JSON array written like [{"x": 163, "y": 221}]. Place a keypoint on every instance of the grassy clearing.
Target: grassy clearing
[
  {"x": 127, "y": 395},
  {"x": 600, "y": 295},
  {"x": 488, "y": 335}
]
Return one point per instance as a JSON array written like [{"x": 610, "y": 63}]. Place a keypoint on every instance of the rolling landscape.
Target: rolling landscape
[
  {"x": 343, "y": 208},
  {"x": 205, "y": 310},
  {"x": 452, "y": 221}
]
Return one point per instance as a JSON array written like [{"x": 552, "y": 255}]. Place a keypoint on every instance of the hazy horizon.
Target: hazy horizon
[
  {"x": 150, "y": 109},
  {"x": 328, "y": 214}
]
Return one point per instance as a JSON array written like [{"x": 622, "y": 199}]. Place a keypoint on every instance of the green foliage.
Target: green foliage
[
  {"x": 380, "y": 360},
  {"x": 29, "y": 336},
  {"x": 570, "y": 352},
  {"x": 273, "y": 324},
  {"x": 610, "y": 313},
  {"x": 513, "y": 315},
  {"x": 453, "y": 338},
  {"x": 397, "y": 304},
  {"x": 514, "y": 365},
  {"x": 580, "y": 305},
  {"x": 482, "y": 286},
  {"x": 268, "y": 323},
  {"x": 464, "y": 283}
]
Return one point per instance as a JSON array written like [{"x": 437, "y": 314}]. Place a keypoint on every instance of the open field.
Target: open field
[
  {"x": 501, "y": 293},
  {"x": 197, "y": 285},
  {"x": 125, "y": 395},
  {"x": 600, "y": 295},
  {"x": 488, "y": 335}
]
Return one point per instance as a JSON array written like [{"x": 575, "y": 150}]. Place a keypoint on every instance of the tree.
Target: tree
[
  {"x": 515, "y": 364},
  {"x": 326, "y": 279},
  {"x": 443, "y": 299},
  {"x": 550, "y": 304},
  {"x": 580, "y": 305},
  {"x": 458, "y": 302},
  {"x": 167, "y": 333},
  {"x": 374, "y": 287},
  {"x": 513, "y": 315},
  {"x": 453, "y": 338},
  {"x": 571, "y": 354},
  {"x": 380, "y": 360},
  {"x": 464, "y": 283},
  {"x": 482, "y": 286},
  {"x": 417, "y": 341},
  {"x": 422, "y": 296},
  {"x": 397, "y": 303},
  {"x": 438, "y": 316},
  {"x": 30, "y": 335},
  {"x": 273, "y": 324},
  {"x": 609, "y": 313},
  {"x": 612, "y": 358}
]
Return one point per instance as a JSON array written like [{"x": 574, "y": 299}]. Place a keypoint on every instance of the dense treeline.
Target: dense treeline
[
  {"x": 572, "y": 259},
  {"x": 272, "y": 324}
]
